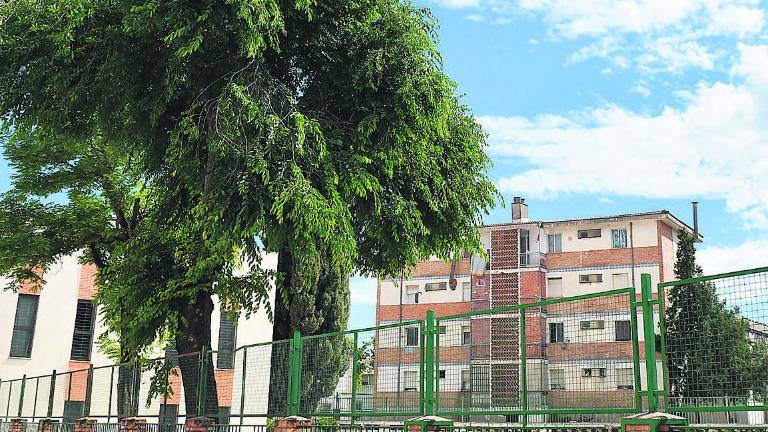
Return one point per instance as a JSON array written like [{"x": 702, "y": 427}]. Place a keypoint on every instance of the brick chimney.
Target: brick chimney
[{"x": 519, "y": 210}]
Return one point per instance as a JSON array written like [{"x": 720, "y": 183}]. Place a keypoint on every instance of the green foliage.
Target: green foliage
[
  {"x": 189, "y": 138},
  {"x": 710, "y": 355},
  {"x": 366, "y": 360}
]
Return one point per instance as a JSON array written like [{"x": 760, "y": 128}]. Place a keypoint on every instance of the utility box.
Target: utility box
[
  {"x": 428, "y": 424},
  {"x": 653, "y": 422}
]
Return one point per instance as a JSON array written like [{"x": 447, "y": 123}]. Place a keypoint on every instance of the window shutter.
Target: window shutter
[
  {"x": 225, "y": 356},
  {"x": 24, "y": 325},
  {"x": 623, "y": 331},
  {"x": 83, "y": 336}
]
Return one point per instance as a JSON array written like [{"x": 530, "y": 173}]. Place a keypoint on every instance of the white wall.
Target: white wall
[
  {"x": 390, "y": 294},
  {"x": 644, "y": 233},
  {"x": 572, "y": 286}
]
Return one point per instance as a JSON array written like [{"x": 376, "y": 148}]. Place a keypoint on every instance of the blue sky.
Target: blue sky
[{"x": 598, "y": 107}]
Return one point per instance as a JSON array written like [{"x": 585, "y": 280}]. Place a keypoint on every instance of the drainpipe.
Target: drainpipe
[{"x": 632, "y": 251}]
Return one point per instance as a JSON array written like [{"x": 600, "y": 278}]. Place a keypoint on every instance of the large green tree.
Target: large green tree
[
  {"x": 709, "y": 353},
  {"x": 298, "y": 127}
]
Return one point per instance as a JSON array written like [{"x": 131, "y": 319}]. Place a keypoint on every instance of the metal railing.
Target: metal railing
[{"x": 530, "y": 360}]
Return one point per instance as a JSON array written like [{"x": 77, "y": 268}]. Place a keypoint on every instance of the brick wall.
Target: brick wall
[
  {"x": 224, "y": 379},
  {"x": 78, "y": 380},
  {"x": 419, "y": 311},
  {"x": 481, "y": 292},
  {"x": 505, "y": 289},
  {"x": 505, "y": 342},
  {"x": 589, "y": 399},
  {"x": 532, "y": 286},
  {"x": 504, "y": 247},
  {"x": 32, "y": 287},
  {"x": 440, "y": 268},
  {"x": 87, "y": 287},
  {"x": 591, "y": 351},
  {"x": 603, "y": 257}
]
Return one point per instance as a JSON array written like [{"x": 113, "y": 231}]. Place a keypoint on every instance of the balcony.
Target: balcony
[{"x": 532, "y": 259}]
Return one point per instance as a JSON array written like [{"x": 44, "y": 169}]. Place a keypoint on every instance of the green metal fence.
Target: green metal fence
[
  {"x": 714, "y": 345},
  {"x": 697, "y": 347}
]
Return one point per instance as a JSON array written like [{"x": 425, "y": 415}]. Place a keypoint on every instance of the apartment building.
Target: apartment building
[
  {"x": 54, "y": 328},
  {"x": 577, "y": 353}
]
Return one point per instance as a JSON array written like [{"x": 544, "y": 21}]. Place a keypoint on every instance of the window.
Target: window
[
  {"x": 488, "y": 263},
  {"x": 556, "y": 333},
  {"x": 466, "y": 381},
  {"x": 619, "y": 238},
  {"x": 412, "y": 294},
  {"x": 226, "y": 353},
  {"x": 554, "y": 243},
  {"x": 24, "y": 325},
  {"x": 557, "y": 379},
  {"x": 466, "y": 291},
  {"x": 83, "y": 337},
  {"x": 442, "y": 330},
  {"x": 620, "y": 280},
  {"x": 625, "y": 379},
  {"x": 367, "y": 379},
  {"x": 410, "y": 380},
  {"x": 593, "y": 373},
  {"x": 591, "y": 278},
  {"x": 481, "y": 379},
  {"x": 412, "y": 336},
  {"x": 590, "y": 233},
  {"x": 592, "y": 325},
  {"x": 623, "y": 331},
  {"x": 436, "y": 286},
  {"x": 555, "y": 287},
  {"x": 466, "y": 335},
  {"x": 441, "y": 373}
]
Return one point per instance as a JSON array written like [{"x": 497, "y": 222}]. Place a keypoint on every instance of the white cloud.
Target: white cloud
[
  {"x": 457, "y": 4},
  {"x": 750, "y": 254},
  {"x": 714, "y": 147},
  {"x": 475, "y": 17},
  {"x": 363, "y": 290}
]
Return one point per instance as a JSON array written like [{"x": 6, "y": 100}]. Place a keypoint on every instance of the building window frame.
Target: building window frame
[
  {"x": 557, "y": 379},
  {"x": 554, "y": 243},
  {"x": 225, "y": 355},
  {"x": 619, "y": 238},
  {"x": 556, "y": 332},
  {"x": 435, "y": 286},
  {"x": 623, "y": 330},
  {"x": 24, "y": 329},
  {"x": 82, "y": 337},
  {"x": 589, "y": 233},
  {"x": 591, "y": 278},
  {"x": 411, "y": 336}
]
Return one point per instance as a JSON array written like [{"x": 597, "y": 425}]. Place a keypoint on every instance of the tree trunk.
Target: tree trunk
[
  {"x": 194, "y": 333},
  {"x": 281, "y": 330}
]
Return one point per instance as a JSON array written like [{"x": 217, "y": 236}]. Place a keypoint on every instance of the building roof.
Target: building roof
[{"x": 664, "y": 215}]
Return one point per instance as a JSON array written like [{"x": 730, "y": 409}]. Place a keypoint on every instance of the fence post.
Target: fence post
[
  {"x": 294, "y": 377},
  {"x": 202, "y": 376},
  {"x": 21, "y": 393},
  {"x": 88, "y": 392},
  {"x": 355, "y": 371},
  {"x": 637, "y": 380},
  {"x": 650, "y": 343},
  {"x": 429, "y": 365},
  {"x": 524, "y": 375},
  {"x": 51, "y": 394},
  {"x": 242, "y": 384}
]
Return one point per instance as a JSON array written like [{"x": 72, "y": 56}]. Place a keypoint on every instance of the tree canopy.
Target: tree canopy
[{"x": 188, "y": 136}]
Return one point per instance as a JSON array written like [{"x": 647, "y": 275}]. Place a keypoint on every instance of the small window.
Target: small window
[
  {"x": 412, "y": 298},
  {"x": 466, "y": 291},
  {"x": 466, "y": 335},
  {"x": 592, "y": 325},
  {"x": 436, "y": 286},
  {"x": 591, "y": 278},
  {"x": 367, "y": 380},
  {"x": 225, "y": 357},
  {"x": 83, "y": 338},
  {"x": 625, "y": 379},
  {"x": 623, "y": 331},
  {"x": 466, "y": 380},
  {"x": 412, "y": 336},
  {"x": 24, "y": 325},
  {"x": 557, "y": 379},
  {"x": 442, "y": 330},
  {"x": 556, "y": 333},
  {"x": 554, "y": 287},
  {"x": 619, "y": 238},
  {"x": 590, "y": 233},
  {"x": 555, "y": 243},
  {"x": 410, "y": 380},
  {"x": 593, "y": 373},
  {"x": 442, "y": 373},
  {"x": 488, "y": 263}
]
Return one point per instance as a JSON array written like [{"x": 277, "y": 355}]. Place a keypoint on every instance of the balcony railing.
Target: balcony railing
[{"x": 532, "y": 259}]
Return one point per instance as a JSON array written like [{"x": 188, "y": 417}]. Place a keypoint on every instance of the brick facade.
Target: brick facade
[{"x": 603, "y": 257}]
